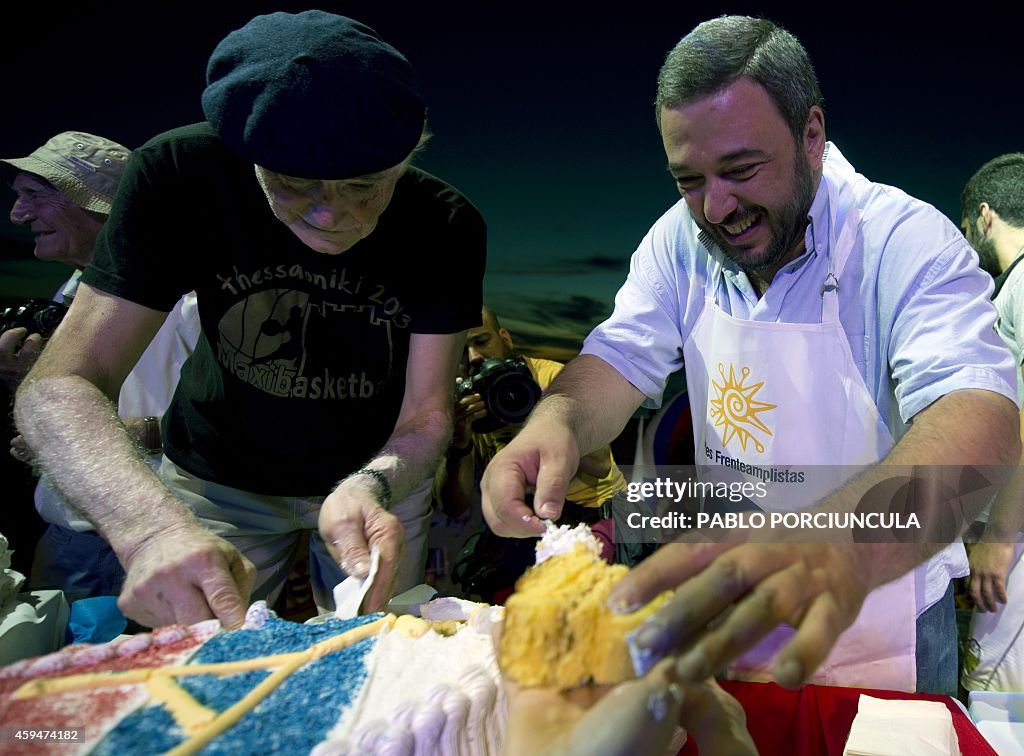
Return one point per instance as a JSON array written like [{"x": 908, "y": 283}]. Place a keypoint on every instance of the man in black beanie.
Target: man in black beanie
[{"x": 335, "y": 284}]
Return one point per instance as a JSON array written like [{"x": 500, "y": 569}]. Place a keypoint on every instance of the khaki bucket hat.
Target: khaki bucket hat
[{"x": 85, "y": 167}]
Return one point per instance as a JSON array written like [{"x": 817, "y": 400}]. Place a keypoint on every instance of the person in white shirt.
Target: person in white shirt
[
  {"x": 993, "y": 221},
  {"x": 825, "y": 323},
  {"x": 65, "y": 190}
]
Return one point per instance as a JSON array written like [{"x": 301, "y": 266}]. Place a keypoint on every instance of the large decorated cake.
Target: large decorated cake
[{"x": 373, "y": 684}]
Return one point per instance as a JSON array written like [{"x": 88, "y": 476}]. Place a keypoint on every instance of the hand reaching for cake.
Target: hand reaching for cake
[
  {"x": 637, "y": 716},
  {"x": 351, "y": 521},
  {"x": 728, "y": 597},
  {"x": 569, "y": 677},
  {"x": 186, "y": 574},
  {"x": 543, "y": 457}
]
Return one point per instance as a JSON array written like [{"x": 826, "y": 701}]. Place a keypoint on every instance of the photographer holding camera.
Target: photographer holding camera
[
  {"x": 492, "y": 403},
  {"x": 65, "y": 190}
]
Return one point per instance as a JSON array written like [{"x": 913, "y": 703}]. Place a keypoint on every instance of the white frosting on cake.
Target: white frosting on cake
[
  {"x": 427, "y": 694},
  {"x": 93, "y": 654},
  {"x": 424, "y": 693},
  {"x": 134, "y": 644},
  {"x": 561, "y": 539},
  {"x": 448, "y": 608},
  {"x": 485, "y": 617},
  {"x": 165, "y": 636}
]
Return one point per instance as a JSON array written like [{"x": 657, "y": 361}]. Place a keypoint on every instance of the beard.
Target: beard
[
  {"x": 987, "y": 258},
  {"x": 786, "y": 223}
]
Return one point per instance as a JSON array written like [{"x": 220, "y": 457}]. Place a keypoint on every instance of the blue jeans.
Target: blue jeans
[
  {"x": 80, "y": 564},
  {"x": 936, "y": 647}
]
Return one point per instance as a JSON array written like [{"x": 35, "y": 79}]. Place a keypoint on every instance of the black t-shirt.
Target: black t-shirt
[{"x": 299, "y": 373}]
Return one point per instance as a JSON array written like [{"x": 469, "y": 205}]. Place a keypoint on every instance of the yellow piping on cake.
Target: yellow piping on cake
[
  {"x": 91, "y": 680},
  {"x": 198, "y": 721},
  {"x": 190, "y": 715},
  {"x": 86, "y": 681},
  {"x": 230, "y": 716}
]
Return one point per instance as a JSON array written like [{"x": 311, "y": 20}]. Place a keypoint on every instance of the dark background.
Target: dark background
[{"x": 542, "y": 115}]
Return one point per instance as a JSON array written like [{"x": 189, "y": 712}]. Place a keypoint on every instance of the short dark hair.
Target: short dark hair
[
  {"x": 1000, "y": 183},
  {"x": 489, "y": 319},
  {"x": 720, "y": 51}
]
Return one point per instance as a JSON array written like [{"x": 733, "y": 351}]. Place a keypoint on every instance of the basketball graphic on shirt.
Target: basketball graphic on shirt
[
  {"x": 289, "y": 343},
  {"x": 734, "y": 409},
  {"x": 267, "y": 327}
]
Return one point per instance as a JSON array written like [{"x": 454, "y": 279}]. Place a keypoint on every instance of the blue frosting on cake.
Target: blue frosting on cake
[
  {"x": 276, "y": 636},
  {"x": 292, "y": 719},
  {"x": 148, "y": 730},
  {"x": 221, "y": 693},
  {"x": 299, "y": 714}
]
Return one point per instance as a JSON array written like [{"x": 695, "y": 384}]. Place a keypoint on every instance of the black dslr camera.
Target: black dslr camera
[
  {"x": 508, "y": 390},
  {"x": 40, "y": 316}
]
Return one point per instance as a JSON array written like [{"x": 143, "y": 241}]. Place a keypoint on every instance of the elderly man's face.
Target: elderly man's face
[
  {"x": 328, "y": 216},
  {"x": 63, "y": 231},
  {"x": 746, "y": 181}
]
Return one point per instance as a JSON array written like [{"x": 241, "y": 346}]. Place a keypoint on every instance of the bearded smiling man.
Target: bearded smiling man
[
  {"x": 826, "y": 323},
  {"x": 754, "y": 205}
]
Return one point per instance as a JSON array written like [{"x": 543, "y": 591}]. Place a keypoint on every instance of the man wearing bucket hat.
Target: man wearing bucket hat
[
  {"x": 64, "y": 192},
  {"x": 332, "y": 280}
]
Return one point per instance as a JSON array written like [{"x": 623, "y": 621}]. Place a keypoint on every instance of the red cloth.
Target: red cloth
[
  {"x": 815, "y": 720},
  {"x": 604, "y": 532}
]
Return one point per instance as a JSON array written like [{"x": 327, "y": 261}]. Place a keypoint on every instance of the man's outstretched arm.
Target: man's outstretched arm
[
  {"x": 177, "y": 571},
  {"x": 586, "y": 407}
]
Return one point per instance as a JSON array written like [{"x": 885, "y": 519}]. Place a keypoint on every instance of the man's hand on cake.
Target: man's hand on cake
[
  {"x": 184, "y": 575},
  {"x": 728, "y": 597},
  {"x": 543, "y": 459},
  {"x": 351, "y": 521},
  {"x": 637, "y": 716}
]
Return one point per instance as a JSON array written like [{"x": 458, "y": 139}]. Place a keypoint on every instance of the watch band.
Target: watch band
[{"x": 382, "y": 480}]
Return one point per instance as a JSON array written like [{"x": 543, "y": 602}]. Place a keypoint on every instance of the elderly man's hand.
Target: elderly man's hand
[
  {"x": 18, "y": 351},
  {"x": 351, "y": 523},
  {"x": 185, "y": 574},
  {"x": 638, "y": 716}
]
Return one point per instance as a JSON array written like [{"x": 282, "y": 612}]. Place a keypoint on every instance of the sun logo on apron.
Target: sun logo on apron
[{"x": 734, "y": 408}]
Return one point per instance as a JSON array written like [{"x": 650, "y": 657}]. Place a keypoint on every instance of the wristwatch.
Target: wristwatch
[{"x": 153, "y": 443}]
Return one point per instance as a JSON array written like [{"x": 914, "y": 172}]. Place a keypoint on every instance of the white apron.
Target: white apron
[{"x": 786, "y": 401}]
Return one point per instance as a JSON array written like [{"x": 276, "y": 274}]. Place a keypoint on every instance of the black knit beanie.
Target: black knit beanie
[{"x": 313, "y": 95}]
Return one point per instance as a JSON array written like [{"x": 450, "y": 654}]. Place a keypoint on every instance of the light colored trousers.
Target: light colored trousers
[
  {"x": 267, "y": 529},
  {"x": 995, "y": 647}
]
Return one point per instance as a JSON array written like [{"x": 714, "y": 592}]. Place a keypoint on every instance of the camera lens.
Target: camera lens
[
  {"x": 40, "y": 316},
  {"x": 512, "y": 397},
  {"x": 47, "y": 320}
]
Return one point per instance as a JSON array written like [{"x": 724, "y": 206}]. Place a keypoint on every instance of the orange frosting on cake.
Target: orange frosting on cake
[{"x": 559, "y": 631}]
